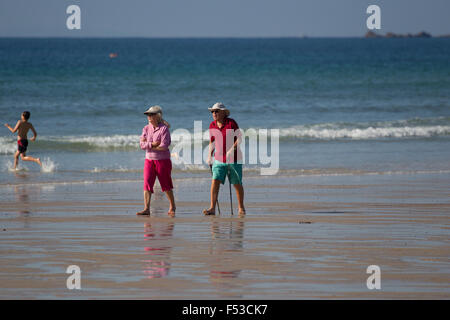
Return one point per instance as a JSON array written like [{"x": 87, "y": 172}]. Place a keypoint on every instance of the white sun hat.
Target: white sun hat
[
  {"x": 220, "y": 106},
  {"x": 154, "y": 110}
]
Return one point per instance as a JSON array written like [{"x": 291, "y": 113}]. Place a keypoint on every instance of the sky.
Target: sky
[{"x": 220, "y": 18}]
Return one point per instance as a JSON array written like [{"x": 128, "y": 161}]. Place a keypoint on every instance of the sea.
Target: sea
[{"x": 340, "y": 106}]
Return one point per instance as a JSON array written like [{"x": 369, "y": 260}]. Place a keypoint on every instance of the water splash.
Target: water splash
[
  {"x": 9, "y": 166},
  {"x": 48, "y": 166}
]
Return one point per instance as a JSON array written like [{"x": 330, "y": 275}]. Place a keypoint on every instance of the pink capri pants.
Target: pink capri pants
[{"x": 158, "y": 168}]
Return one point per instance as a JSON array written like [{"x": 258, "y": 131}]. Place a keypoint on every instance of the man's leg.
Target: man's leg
[
  {"x": 218, "y": 177},
  {"x": 215, "y": 185},
  {"x": 240, "y": 195},
  {"x": 235, "y": 178}
]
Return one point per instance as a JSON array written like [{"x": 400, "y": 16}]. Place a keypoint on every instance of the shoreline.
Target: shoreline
[{"x": 203, "y": 174}]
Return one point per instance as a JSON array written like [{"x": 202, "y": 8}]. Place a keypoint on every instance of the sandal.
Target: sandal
[
  {"x": 207, "y": 212},
  {"x": 143, "y": 213}
]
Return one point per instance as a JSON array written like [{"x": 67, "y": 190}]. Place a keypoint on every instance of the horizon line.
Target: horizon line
[{"x": 200, "y": 37}]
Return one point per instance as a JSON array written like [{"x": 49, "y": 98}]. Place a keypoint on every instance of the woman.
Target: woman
[{"x": 155, "y": 140}]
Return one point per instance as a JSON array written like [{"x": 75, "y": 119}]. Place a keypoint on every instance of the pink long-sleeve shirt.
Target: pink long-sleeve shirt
[{"x": 160, "y": 133}]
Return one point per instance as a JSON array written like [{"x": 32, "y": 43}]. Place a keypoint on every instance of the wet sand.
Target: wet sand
[{"x": 302, "y": 238}]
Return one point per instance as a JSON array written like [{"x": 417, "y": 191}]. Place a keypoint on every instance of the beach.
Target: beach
[
  {"x": 304, "y": 237},
  {"x": 357, "y": 132}
]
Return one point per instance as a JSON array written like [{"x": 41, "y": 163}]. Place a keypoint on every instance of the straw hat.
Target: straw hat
[{"x": 220, "y": 106}]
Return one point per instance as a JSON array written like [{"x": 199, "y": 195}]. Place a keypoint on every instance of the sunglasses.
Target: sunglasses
[{"x": 215, "y": 111}]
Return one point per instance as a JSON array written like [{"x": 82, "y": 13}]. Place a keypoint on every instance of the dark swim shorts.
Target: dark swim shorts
[{"x": 22, "y": 145}]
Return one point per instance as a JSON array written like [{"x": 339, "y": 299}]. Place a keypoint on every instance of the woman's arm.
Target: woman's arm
[
  {"x": 160, "y": 148},
  {"x": 143, "y": 140},
  {"x": 165, "y": 139}
]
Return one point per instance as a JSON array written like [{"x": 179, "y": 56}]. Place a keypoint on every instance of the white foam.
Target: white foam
[
  {"x": 325, "y": 131},
  {"x": 114, "y": 141},
  {"x": 8, "y": 145},
  {"x": 120, "y": 169},
  {"x": 319, "y": 132},
  {"x": 9, "y": 166},
  {"x": 117, "y": 141}
]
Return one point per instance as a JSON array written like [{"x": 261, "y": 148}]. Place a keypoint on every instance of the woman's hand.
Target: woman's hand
[{"x": 155, "y": 144}]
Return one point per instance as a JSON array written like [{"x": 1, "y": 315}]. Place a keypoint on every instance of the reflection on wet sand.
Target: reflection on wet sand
[
  {"x": 22, "y": 197},
  {"x": 227, "y": 241},
  {"x": 158, "y": 234}
]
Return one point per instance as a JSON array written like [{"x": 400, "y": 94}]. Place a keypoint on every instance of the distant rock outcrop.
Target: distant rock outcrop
[
  {"x": 371, "y": 34},
  {"x": 422, "y": 34}
]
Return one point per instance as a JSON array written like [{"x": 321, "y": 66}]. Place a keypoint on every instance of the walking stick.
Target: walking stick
[{"x": 231, "y": 198}]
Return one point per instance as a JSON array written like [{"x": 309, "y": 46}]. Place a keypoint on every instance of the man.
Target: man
[{"x": 224, "y": 142}]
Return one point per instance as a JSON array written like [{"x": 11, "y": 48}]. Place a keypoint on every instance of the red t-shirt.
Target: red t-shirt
[{"x": 219, "y": 136}]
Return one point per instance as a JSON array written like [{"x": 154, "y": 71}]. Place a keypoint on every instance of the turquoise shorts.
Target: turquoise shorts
[{"x": 233, "y": 170}]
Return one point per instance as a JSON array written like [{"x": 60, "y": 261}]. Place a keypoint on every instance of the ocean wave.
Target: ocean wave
[
  {"x": 114, "y": 141},
  {"x": 113, "y": 170},
  {"x": 322, "y": 133},
  {"x": 417, "y": 127},
  {"x": 8, "y": 145},
  {"x": 75, "y": 143}
]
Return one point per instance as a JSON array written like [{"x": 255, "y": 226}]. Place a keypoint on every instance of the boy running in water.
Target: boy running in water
[{"x": 22, "y": 128}]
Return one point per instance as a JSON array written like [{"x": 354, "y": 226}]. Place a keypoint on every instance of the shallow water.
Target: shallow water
[{"x": 340, "y": 104}]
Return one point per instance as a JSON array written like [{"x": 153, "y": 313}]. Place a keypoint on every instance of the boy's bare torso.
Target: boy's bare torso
[{"x": 23, "y": 129}]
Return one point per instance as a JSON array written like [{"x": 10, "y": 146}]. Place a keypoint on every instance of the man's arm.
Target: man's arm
[
  {"x": 211, "y": 151},
  {"x": 236, "y": 143}
]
